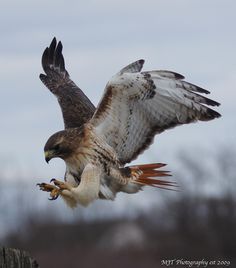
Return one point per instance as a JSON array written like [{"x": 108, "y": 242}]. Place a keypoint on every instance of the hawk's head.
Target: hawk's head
[{"x": 62, "y": 144}]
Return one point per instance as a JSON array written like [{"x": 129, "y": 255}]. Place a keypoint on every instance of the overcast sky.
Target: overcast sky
[{"x": 194, "y": 38}]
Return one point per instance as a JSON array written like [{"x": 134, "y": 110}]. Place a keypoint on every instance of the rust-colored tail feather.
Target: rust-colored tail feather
[{"x": 148, "y": 174}]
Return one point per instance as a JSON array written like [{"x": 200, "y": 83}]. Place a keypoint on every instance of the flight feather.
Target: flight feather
[{"x": 76, "y": 107}]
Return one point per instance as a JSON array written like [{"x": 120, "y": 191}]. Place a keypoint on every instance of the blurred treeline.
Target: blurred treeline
[{"x": 196, "y": 223}]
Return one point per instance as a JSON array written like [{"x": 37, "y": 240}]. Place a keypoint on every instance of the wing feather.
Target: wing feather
[
  {"x": 133, "y": 67},
  {"x": 136, "y": 106},
  {"x": 76, "y": 107}
]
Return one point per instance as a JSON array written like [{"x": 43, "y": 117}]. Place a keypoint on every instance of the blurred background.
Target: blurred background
[{"x": 194, "y": 38}]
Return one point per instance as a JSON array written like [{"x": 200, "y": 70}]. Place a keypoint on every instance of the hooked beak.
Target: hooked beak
[{"x": 48, "y": 155}]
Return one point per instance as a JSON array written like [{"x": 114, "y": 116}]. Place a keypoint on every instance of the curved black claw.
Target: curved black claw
[{"x": 53, "y": 198}]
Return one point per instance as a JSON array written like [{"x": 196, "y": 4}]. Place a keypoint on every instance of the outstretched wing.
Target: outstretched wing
[
  {"x": 137, "y": 105},
  {"x": 76, "y": 107}
]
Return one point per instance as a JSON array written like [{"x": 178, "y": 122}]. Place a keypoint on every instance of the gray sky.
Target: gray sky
[{"x": 194, "y": 38}]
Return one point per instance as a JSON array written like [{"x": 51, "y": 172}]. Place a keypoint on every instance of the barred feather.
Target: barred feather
[{"x": 138, "y": 105}]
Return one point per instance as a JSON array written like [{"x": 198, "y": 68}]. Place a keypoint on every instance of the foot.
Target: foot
[
  {"x": 61, "y": 184},
  {"x": 55, "y": 190}
]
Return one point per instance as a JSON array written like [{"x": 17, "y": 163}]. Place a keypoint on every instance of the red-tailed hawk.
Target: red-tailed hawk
[{"x": 96, "y": 145}]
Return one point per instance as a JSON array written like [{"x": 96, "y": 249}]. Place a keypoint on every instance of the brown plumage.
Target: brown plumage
[
  {"x": 76, "y": 107},
  {"x": 134, "y": 108}
]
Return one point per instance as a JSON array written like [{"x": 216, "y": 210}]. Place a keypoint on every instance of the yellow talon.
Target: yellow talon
[
  {"x": 54, "y": 191},
  {"x": 61, "y": 185}
]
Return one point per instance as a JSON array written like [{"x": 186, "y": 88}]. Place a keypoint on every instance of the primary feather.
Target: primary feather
[
  {"x": 137, "y": 105},
  {"x": 76, "y": 107}
]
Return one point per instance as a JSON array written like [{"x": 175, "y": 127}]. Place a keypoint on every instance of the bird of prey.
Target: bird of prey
[{"x": 96, "y": 144}]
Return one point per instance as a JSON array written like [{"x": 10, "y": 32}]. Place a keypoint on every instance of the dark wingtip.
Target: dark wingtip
[
  {"x": 216, "y": 114},
  {"x": 41, "y": 76},
  {"x": 44, "y": 59},
  {"x": 58, "y": 54},
  {"x": 202, "y": 90},
  {"x": 60, "y": 45},
  {"x": 178, "y": 76},
  {"x": 52, "y": 57},
  {"x": 213, "y": 103},
  {"x": 141, "y": 61},
  {"x": 53, "y": 44},
  {"x": 44, "y": 78},
  {"x": 211, "y": 114}
]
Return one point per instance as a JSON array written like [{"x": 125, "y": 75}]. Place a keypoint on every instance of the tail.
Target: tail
[{"x": 148, "y": 175}]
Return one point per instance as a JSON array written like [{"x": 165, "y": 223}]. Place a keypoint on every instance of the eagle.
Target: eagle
[{"x": 97, "y": 143}]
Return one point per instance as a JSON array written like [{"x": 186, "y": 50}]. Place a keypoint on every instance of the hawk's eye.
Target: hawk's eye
[{"x": 56, "y": 147}]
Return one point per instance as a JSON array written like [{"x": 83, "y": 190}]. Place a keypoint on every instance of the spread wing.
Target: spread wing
[
  {"x": 137, "y": 105},
  {"x": 76, "y": 107}
]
